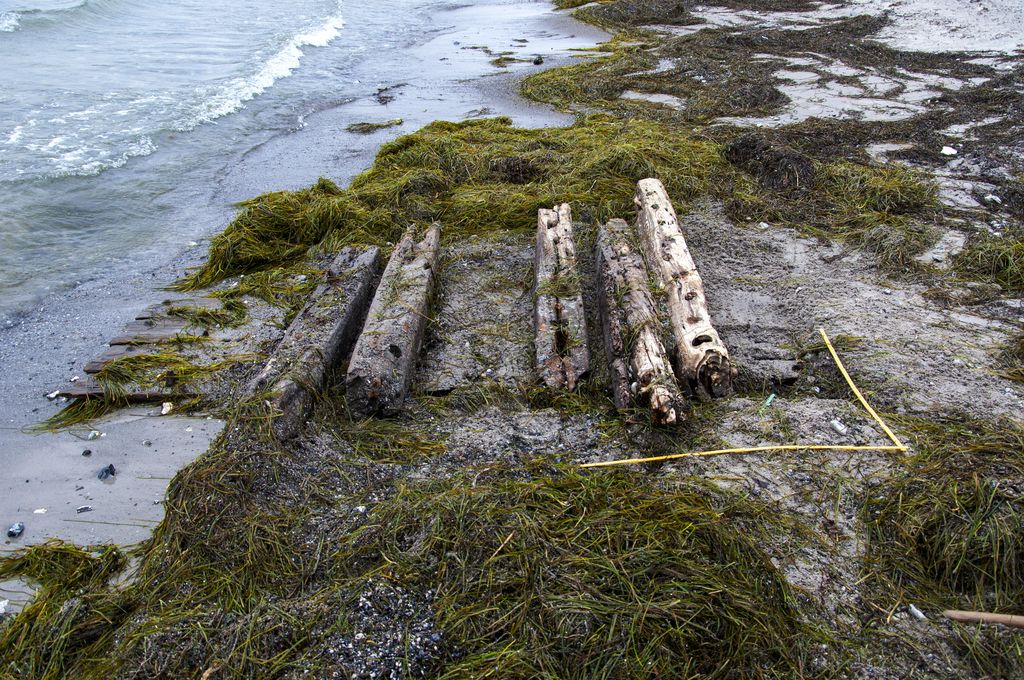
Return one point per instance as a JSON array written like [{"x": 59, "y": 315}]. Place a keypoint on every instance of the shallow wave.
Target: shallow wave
[
  {"x": 70, "y": 165},
  {"x": 281, "y": 65},
  {"x": 9, "y": 22},
  {"x": 106, "y": 134}
]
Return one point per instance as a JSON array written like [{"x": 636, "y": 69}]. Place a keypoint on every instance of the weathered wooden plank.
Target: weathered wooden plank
[
  {"x": 385, "y": 354},
  {"x": 90, "y": 389},
  {"x": 639, "y": 366},
  {"x": 157, "y": 329},
  {"x": 701, "y": 359},
  {"x": 318, "y": 338},
  {"x": 162, "y": 308},
  {"x": 117, "y": 352},
  {"x": 560, "y": 336}
]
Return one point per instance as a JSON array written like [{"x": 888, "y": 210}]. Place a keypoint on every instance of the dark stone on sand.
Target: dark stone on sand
[
  {"x": 109, "y": 471},
  {"x": 15, "y": 530},
  {"x": 87, "y": 453},
  {"x": 538, "y": 60}
]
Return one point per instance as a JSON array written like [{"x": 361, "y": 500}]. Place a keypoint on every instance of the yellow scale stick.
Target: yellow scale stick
[{"x": 897, "y": 445}]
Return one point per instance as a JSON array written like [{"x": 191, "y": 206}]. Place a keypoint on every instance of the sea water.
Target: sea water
[{"x": 118, "y": 117}]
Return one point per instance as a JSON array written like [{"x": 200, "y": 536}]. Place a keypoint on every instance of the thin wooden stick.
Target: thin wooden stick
[{"x": 1013, "y": 620}]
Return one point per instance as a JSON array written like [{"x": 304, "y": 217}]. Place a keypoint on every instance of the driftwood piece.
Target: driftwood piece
[
  {"x": 637, "y": 360},
  {"x": 701, "y": 359},
  {"x": 385, "y": 354},
  {"x": 318, "y": 338},
  {"x": 560, "y": 336}
]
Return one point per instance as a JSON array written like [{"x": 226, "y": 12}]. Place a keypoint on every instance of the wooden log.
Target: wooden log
[
  {"x": 560, "y": 333},
  {"x": 317, "y": 340},
  {"x": 700, "y": 358},
  {"x": 640, "y": 368},
  {"x": 384, "y": 358}
]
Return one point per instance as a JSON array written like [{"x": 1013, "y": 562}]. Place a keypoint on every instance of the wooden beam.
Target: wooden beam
[
  {"x": 317, "y": 340},
  {"x": 560, "y": 332},
  {"x": 639, "y": 366},
  {"x": 384, "y": 358},
  {"x": 701, "y": 359}
]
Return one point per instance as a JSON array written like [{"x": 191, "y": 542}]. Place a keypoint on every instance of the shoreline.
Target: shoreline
[{"x": 53, "y": 340}]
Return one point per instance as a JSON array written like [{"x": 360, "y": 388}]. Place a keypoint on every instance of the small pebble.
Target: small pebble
[
  {"x": 15, "y": 530},
  {"x": 948, "y": 151},
  {"x": 916, "y": 613},
  {"x": 538, "y": 60},
  {"x": 109, "y": 471},
  {"x": 838, "y": 426},
  {"x": 83, "y": 508},
  {"x": 87, "y": 453},
  {"x": 53, "y": 395},
  {"x": 146, "y": 442}
]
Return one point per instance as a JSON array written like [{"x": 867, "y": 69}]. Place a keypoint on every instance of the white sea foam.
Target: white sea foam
[
  {"x": 281, "y": 65},
  {"x": 9, "y": 22},
  {"x": 15, "y": 135},
  {"x": 70, "y": 163}
]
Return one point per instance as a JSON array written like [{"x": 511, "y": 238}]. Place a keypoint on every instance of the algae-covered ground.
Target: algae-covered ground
[{"x": 462, "y": 539}]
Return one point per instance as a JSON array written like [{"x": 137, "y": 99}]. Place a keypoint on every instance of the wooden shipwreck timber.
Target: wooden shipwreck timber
[{"x": 652, "y": 318}]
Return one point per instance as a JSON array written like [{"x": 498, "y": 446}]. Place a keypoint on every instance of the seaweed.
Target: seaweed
[
  {"x": 483, "y": 176},
  {"x": 998, "y": 258},
  {"x": 946, "y": 527},
  {"x": 367, "y": 128},
  {"x": 578, "y": 576}
]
